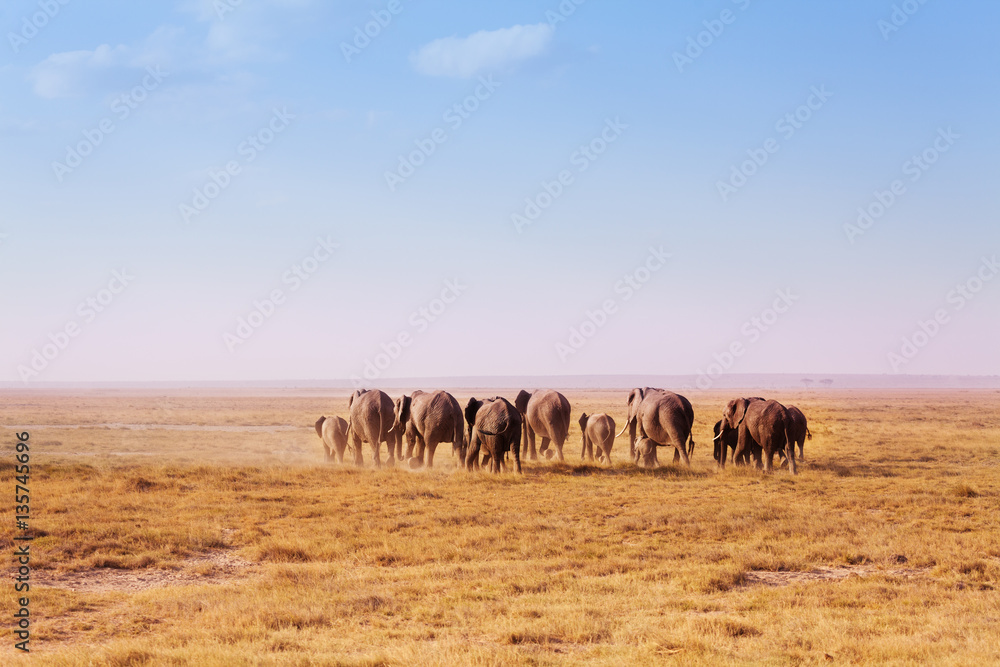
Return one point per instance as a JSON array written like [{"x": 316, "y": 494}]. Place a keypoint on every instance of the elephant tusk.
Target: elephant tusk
[
  {"x": 391, "y": 429},
  {"x": 716, "y": 438},
  {"x": 624, "y": 427}
]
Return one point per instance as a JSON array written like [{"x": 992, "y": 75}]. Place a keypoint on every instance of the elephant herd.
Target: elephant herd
[{"x": 753, "y": 427}]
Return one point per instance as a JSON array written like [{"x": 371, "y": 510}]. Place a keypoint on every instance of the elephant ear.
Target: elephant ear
[
  {"x": 521, "y": 402},
  {"x": 743, "y": 404},
  {"x": 319, "y": 426},
  {"x": 583, "y": 421},
  {"x": 471, "y": 409},
  {"x": 404, "y": 409},
  {"x": 634, "y": 398}
]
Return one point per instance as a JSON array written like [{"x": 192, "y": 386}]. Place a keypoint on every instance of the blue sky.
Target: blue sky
[{"x": 185, "y": 85}]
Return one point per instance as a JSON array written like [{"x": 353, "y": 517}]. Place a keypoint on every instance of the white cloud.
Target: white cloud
[
  {"x": 484, "y": 50},
  {"x": 70, "y": 73}
]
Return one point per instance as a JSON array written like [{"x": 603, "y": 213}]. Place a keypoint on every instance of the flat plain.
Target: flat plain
[{"x": 203, "y": 527}]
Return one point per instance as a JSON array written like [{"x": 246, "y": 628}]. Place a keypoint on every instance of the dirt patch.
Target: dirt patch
[
  {"x": 209, "y": 568},
  {"x": 765, "y": 578}
]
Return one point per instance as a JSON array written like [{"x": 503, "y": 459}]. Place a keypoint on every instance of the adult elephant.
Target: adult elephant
[
  {"x": 764, "y": 423},
  {"x": 800, "y": 430},
  {"x": 662, "y": 416},
  {"x": 430, "y": 419},
  {"x": 333, "y": 432},
  {"x": 371, "y": 421},
  {"x": 494, "y": 425},
  {"x": 547, "y": 413},
  {"x": 597, "y": 430}
]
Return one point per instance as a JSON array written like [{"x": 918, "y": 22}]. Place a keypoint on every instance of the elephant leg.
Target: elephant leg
[
  {"x": 531, "y": 444},
  {"x": 473, "y": 455},
  {"x": 677, "y": 456},
  {"x": 769, "y": 460},
  {"x": 356, "y": 445},
  {"x": 421, "y": 446},
  {"x": 681, "y": 450},
  {"x": 544, "y": 448},
  {"x": 431, "y": 448},
  {"x": 559, "y": 449},
  {"x": 517, "y": 459}
]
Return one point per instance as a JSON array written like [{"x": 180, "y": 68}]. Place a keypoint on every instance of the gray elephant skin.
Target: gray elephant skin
[
  {"x": 371, "y": 421},
  {"x": 645, "y": 453},
  {"x": 494, "y": 425},
  {"x": 547, "y": 413},
  {"x": 428, "y": 419},
  {"x": 333, "y": 432},
  {"x": 598, "y": 431},
  {"x": 662, "y": 416},
  {"x": 760, "y": 422},
  {"x": 800, "y": 429}
]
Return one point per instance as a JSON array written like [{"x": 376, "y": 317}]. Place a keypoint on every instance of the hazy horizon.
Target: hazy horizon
[{"x": 202, "y": 191}]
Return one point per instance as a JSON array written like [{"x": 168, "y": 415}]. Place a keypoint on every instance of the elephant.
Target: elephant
[
  {"x": 546, "y": 413},
  {"x": 760, "y": 422},
  {"x": 730, "y": 440},
  {"x": 645, "y": 453},
  {"x": 495, "y": 426},
  {"x": 800, "y": 430},
  {"x": 599, "y": 429},
  {"x": 371, "y": 421},
  {"x": 435, "y": 418},
  {"x": 662, "y": 416},
  {"x": 333, "y": 432}
]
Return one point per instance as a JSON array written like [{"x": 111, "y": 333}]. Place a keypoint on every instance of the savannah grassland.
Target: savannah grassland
[{"x": 219, "y": 544}]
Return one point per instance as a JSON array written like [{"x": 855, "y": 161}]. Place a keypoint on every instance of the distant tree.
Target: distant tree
[
  {"x": 826, "y": 381},
  {"x": 807, "y": 381}
]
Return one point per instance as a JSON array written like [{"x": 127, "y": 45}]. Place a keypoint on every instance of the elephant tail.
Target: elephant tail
[
  {"x": 690, "y": 444},
  {"x": 809, "y": 434}
]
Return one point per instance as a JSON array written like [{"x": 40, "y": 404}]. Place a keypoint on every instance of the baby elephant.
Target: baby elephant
[
  {"x": 645, "y": 453},
  {"x": 598, "y": 430},
  {"x": 333, "y": 432}
]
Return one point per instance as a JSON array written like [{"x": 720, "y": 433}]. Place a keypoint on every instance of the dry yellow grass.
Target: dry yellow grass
[{"x": 241, "y": 547}]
